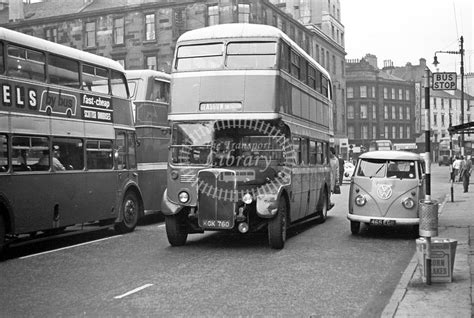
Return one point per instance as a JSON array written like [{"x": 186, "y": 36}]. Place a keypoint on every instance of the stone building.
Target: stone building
[
  {"x": 379, "y": 106},
  {"x": 143, "y": 33}
]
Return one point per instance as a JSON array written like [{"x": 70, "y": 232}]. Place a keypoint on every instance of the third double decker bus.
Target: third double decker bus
[
  {"x": 67, "y": 140},
  {"x": 150, "y": 92},
  {"x": 251, "y": 118}
]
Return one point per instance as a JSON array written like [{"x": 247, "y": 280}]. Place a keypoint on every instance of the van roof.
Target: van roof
[{"x": 390, "y": 154}]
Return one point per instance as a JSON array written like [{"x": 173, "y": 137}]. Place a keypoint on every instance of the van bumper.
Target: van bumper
[{"x": 398, "y": 221}]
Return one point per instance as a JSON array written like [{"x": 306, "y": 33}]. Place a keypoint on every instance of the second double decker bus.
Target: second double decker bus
[
  {"x": 150, "y": 92},
  {"x": 251, "y": 118},
  {"x": 67, "y": 140}
]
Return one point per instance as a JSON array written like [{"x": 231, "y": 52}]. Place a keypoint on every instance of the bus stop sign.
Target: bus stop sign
[{"x": 444, "y": 81}]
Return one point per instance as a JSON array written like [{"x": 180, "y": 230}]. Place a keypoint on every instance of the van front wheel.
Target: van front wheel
[{"x": 355, "y": 227}]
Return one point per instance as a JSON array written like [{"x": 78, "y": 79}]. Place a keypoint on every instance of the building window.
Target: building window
[
  {"x": 408, "y": 113},
  {"x": 385, "y": 112},
  {"x": 407, "y": 94},
  {"x": 408, "y": 132},
  {"x": 443, "y": 124},
  {"x": 393, "y": 93},
  {"x": 317, "y": 53},
  {"x": 244, "y": 13},
  {"x": 363, "y": 92},
  {"x": 400, "y": 112},
  {"x": 394, "y": 112},
  {"x": 350, "y": 132},
  {"x": 374, "y": 132},
  {"x": 119, "y": 31},
  {"x": 373, "y": 91},
  {"x": 435, "y": 119},
  {"x": 386, "y": 131},
  {"x": 363, "y": 111},
  {"x": 150, "y": 29},
  {"x": 51, "y": 34},
  {"x": 350, "y": 112},
  {"x": 401, "y": 132},
  {"x": 150, "y": 62},
  {"x": 90, "y": 34},
  {"x": 328, "y": 66},
  {"x": 374, "y": 112},
  {"x": 400, "y": 94},
  {"x": 334, "y": 70},
  {"x": 385, "y": 93},
  {"x": 364, "y": 132},
  {"x": 322, "y": 57},
  {"x": 394, "y": 132},
  {"x": 350, "y": 92}
]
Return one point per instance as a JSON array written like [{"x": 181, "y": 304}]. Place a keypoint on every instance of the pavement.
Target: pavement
[{"x": 413, "y": 297}]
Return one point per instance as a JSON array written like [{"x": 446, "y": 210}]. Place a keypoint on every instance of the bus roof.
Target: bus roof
[
  {"x": 144, "y": 73},
  {"x": 390, "y": 155},
  {"x": 59, "y": 49},
  {"x": 245, "y": 30}
]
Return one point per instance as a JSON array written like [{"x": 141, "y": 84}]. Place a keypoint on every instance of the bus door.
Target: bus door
[{"x": 126, "y": 161}]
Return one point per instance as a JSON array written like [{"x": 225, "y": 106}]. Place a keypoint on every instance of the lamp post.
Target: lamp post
[{"x": 435, "y": 63}]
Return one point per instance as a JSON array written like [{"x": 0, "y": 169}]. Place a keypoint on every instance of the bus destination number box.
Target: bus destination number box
[{"x": 444, "y": 81}]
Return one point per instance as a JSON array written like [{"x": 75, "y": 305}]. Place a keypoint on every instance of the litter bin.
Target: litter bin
[
  {"x": 443, "y": 251},
  {"x": 428, "y": 218}
]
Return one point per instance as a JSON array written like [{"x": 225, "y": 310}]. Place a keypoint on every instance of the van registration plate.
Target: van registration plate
[{"x": 382, "y": 222}]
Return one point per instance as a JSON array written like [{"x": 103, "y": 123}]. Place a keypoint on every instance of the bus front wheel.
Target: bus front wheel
[
  {"x": 277, "y": 226},
  {"x": 130, "y": 211},
  {"x": 176, "y": 229}
]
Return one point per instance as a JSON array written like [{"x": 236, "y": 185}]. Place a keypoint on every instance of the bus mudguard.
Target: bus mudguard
[
  {"x": 267, "y": 202},
  {"x": 168, "y": 207}
]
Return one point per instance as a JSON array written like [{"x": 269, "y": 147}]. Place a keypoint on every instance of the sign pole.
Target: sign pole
[{"x": 428, "y": 169}]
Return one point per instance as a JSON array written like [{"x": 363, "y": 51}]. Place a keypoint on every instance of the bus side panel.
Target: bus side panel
[
  {"x": 102, "y": 188},
  {"x": 152, "y": 183},
  {"x": 58, "y": 204}
]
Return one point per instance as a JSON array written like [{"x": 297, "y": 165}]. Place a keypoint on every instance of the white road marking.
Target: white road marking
[
  {"x": 133, "y": 291},
  {"x": 68, "y": 247}
]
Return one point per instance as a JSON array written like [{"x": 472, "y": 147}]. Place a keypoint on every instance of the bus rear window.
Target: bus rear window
[{"x": 199, "y": 57}]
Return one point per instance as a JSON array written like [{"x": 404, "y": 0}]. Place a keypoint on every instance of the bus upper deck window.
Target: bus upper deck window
[{"x": 25, "y": 63}]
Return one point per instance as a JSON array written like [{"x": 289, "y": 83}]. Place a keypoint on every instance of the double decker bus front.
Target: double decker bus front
[{"x": 219, "y": 170}]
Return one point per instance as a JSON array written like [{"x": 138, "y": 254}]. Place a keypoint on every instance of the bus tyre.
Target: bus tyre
[
  {"x": 176, "y": 229},
  {"x": 355, "y": 227},
  {"x": 130, "y": 211},
  {"x": 277, "y": 226},
  {"x": 323, "y": 208}
]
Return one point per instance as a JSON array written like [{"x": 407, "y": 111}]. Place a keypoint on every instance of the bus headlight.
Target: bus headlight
[
  {"x": 408, "y": 203},
  {"x": 183, "y": 197},
  {"x": 360, "y": 200},
  {"x": 247, "y": 198}
]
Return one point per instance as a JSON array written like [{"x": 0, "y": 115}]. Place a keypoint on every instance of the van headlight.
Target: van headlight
[
  {"x": 408, "y": 203},
  {"x": 360, "y": 200},
  {"x": 247, "y": 198},
  {"x": 183, "y": 197}
]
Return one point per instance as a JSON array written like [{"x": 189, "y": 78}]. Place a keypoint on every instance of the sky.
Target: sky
[{"x": 406, "y": 30}]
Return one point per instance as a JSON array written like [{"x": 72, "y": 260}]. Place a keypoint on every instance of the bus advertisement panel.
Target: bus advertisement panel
[
  {"x": 66, "y": 135},
  {"x": 251, "y": 118}
]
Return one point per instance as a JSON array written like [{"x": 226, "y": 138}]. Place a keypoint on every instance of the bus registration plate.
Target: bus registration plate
[
  {"x": 217, "y": 224},
  {"x": 382, "y": 222}
]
